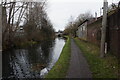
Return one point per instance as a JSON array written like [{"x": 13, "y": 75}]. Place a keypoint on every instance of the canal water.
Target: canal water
[{"x": 34, "y": 62}]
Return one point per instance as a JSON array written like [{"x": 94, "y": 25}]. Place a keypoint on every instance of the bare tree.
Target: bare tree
[
  {"x": 72, "y": 26},
  {"x": 10, "y": 9},
  {"x": 37, "y": 23},
  {"x": 34, "y": 16},
  {"x": 84, "y": 16}
]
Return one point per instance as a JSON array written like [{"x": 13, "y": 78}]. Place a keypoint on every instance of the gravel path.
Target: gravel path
[{"x": 79, "y": 67}]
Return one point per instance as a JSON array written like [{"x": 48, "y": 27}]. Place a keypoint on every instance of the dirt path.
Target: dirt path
[{"x": 78, "y": 65}]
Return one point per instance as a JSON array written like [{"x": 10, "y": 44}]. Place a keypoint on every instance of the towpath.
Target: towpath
[{"x": 79, "y": 67}]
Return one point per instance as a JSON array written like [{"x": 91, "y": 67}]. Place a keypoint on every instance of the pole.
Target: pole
[{"x": 103, "y": 30}]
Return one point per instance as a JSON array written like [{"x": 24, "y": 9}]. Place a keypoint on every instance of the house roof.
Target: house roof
[
  {"x": 83, "y": 22},
  {"x": 108, "y": 14}
]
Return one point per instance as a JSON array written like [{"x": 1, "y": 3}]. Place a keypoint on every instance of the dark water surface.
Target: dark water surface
[{"x": 33, "y": 62}]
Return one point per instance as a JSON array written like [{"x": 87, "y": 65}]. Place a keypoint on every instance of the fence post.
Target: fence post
[{"x": 103, "y": 30}]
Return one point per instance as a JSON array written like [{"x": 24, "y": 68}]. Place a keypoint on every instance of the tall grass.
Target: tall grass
[{"x": 101, "y": 67}]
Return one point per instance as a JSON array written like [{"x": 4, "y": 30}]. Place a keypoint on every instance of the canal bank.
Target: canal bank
[
  {"x": 32, "y": 62},
  {"x": 60, "y": 69}
]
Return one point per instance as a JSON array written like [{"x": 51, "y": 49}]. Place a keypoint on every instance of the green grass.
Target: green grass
[
  {"x": 60, "y": 69},
  {"x": 100, "y": 67}
]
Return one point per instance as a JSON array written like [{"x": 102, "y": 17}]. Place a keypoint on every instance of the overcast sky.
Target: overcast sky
[{"x": 59, "y": 11}]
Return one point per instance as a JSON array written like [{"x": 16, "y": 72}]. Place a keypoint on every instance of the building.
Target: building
[
  {"x": 59, "y": 33},
  {"x": 20, "y": 31},
  {"x": 82, "y": 30},
  {"x": 112, "y": 31}
]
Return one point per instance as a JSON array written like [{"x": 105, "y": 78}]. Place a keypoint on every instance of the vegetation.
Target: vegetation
[
  {"x": 113, "y": 6},
  {"x": 25, "y": 23},
  {"x": 72, "y": 25},
  {"x": 101, "y": 67},
  {"x": 60, "y": 69},
  {"x": 38, "y": 25}
]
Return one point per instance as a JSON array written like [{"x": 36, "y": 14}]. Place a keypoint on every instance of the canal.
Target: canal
[{"x": 33, "y": 62}]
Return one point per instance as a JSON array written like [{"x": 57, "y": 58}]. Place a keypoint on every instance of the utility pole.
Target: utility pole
[{"x": 103, "y": 30}]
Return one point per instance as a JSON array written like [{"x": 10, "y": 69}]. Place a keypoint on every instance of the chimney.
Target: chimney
[{"x": 95, "y": 15}]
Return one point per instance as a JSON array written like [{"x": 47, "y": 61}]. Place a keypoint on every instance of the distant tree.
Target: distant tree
[
  {"x": 113, "y": 6},
  {"x": 72, "y": 26},
  {"x": 84, "y": 16}
]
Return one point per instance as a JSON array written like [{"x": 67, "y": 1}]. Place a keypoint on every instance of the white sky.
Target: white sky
[{"x": 59, "y": 11}]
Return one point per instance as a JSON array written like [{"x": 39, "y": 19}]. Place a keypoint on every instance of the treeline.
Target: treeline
[
  {"x": 37, "y": 25},
  {"x": 73, "y": 25},
  {"x": 25, "y": 23}
]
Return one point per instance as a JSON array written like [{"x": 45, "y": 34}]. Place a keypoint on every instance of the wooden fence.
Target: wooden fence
[{"x": 112, "y": 34}]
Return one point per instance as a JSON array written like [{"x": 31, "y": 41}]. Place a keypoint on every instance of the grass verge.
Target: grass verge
[
  {"x": 101, "y": 67},
  {"x": 60, "y": 69}
]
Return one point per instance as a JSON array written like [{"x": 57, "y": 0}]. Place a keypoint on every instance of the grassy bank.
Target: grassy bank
[
  {"x": 101, "y": 67},
  {"x": 59, "y": 70}
]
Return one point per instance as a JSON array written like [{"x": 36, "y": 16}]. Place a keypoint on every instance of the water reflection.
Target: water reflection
[{"x": 33, "y": 62}]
